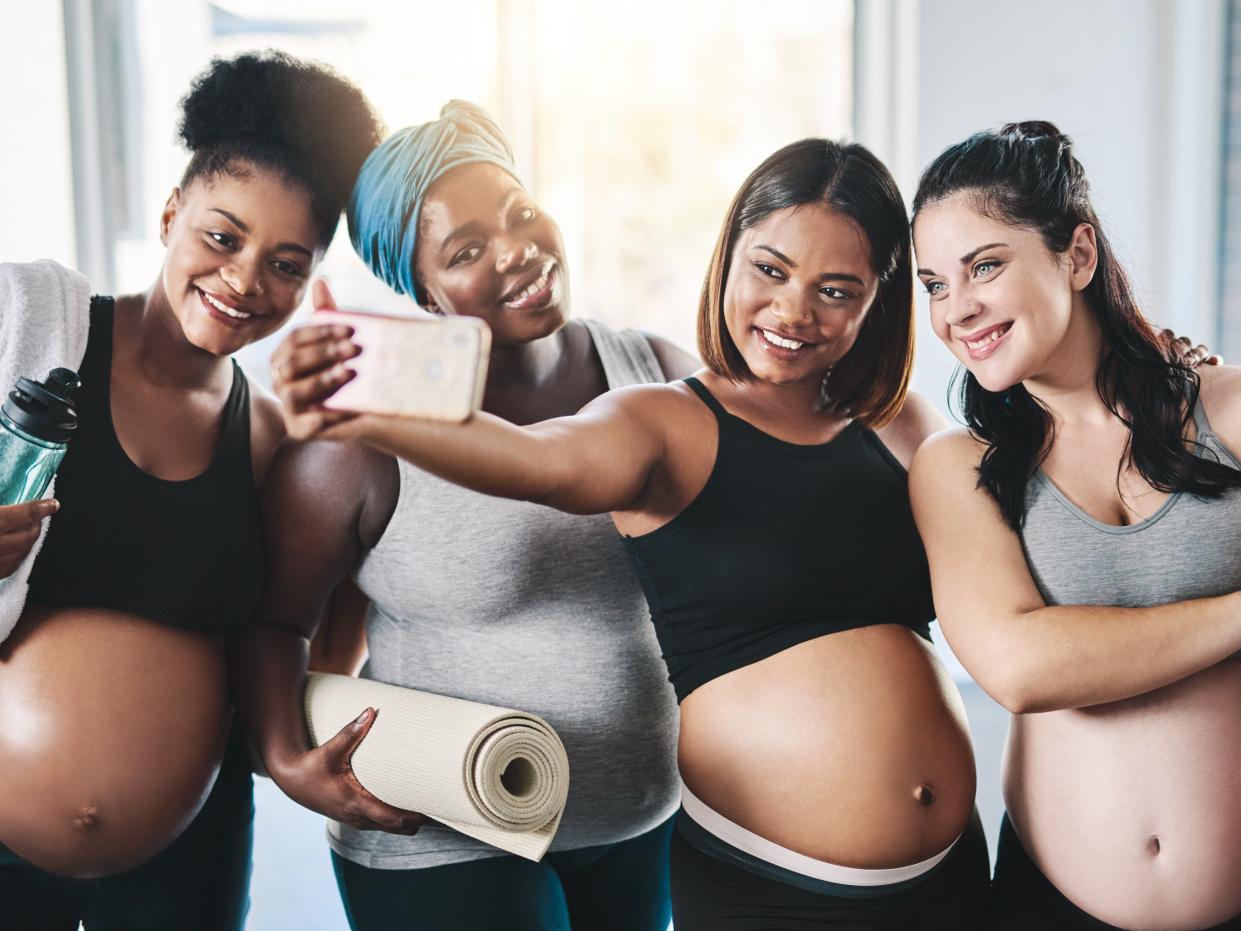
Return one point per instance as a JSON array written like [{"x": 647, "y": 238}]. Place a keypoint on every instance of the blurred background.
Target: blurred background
[{"x": 633, "y": 125}]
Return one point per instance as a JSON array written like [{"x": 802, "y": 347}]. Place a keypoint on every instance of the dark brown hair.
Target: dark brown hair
[
  {"x": 1027, "y": 176},
  {"x": 871, "y": 380}
]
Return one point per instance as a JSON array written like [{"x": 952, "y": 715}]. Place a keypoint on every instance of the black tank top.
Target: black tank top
[
  {"x": 783, "y": 544},
  {"x": 187, "y": 553}
]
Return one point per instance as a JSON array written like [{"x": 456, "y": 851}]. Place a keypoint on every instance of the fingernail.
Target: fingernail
[
  {"x": 362, "y": 718},
  {"x": 51, "y": 507},
  {"x": 343, "y": 348},
  {"x": 341, "y": 331}
]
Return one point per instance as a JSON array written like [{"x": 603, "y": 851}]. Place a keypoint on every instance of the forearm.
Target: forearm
[
  {"x": 268, "y": 666},
  {"x": 485, "y": 454},
  {"x": 1059, "y": 657}
]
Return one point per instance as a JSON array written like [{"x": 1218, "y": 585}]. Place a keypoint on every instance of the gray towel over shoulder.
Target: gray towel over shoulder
[{"x": 515, "y": 604}]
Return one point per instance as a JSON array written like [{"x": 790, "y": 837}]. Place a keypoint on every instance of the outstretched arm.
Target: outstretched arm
[
  {"x": 1028, "y": 656},
  {"x": 597, "y": 461}
]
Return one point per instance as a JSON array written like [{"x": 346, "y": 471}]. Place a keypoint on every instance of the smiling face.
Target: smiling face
[
  {"x": 1000, "y": 299},
  {"x": 485, "y": 250},
  {"x": 798, "y": 289},
  {"x": 241, "y": 248}
]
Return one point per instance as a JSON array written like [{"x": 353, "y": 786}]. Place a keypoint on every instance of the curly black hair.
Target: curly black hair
[{"x": 297, "y": 118}]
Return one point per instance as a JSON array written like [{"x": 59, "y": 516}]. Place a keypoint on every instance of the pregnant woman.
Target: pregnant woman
[
  {"x": 114, "y": 709},
  {"x": 828, "y": 775},
  {"x": 472, "y": 596},
  {"x": 1094, "y": 473}
]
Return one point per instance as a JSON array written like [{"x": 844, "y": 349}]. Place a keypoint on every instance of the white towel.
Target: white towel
[{"x": 44, "y": 321}]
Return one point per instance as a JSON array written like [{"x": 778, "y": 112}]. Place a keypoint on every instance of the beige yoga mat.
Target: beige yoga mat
[{"x": 497, "y": 775}]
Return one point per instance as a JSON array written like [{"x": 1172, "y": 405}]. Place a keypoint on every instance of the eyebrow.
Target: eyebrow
[
  {"x": 968, "y": 257},
  {"x": 826, "y": 276},
  {"x": 280, "y": 247},
  {"x": 473, "y": 226}
]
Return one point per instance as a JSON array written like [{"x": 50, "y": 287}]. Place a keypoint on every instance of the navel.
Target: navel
[
  {"x": 1152, "y": 845},
  {"x": 923, "y": 795},
  {"x": 87, "y": 819}
]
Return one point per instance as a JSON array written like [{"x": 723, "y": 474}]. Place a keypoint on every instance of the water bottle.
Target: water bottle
[{"x": 36, "y": 423}]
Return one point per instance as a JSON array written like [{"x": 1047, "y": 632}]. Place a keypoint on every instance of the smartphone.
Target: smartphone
[{"x": 427, "y": 367}]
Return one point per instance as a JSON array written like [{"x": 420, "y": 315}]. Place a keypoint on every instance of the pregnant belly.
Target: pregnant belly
[
  {"x": 111, "y": 732},
  {"x": 851, "y": 748},
  {"x": 1133, "y": 809}
]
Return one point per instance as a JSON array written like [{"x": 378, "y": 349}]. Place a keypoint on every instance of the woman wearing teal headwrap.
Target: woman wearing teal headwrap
[{"x": 496, "y": 601}]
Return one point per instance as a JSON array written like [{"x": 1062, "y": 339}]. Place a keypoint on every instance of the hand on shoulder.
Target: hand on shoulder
[{"x": 1221, "y": 397}]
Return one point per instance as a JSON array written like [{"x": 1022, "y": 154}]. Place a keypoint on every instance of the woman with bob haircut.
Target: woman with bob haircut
[
  {"x": 828, "y": 776},
  {"x": 1084, "y": 534}
]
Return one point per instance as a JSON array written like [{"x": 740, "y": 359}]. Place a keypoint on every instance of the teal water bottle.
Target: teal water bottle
[{"x": 36, "y": 422}]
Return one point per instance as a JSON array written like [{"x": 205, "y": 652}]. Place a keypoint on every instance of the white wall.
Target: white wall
[
  {"x": 1136, "y": 83},
  {"x": 36, "y": 182}
]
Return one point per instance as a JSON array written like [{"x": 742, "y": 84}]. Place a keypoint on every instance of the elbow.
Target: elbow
[{"x": 1018, "y": 689}]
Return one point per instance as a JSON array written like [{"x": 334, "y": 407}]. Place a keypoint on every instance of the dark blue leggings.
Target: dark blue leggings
[{"x": 614, "y": 887}]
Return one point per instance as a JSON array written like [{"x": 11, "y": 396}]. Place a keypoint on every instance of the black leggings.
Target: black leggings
[
  {"x": 198, "y": 883},
  {"x": 1023, "y": 899},
  {"x": 710, "y": 894}
]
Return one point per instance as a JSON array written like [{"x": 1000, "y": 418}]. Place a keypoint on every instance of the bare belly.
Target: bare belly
[
  {"x": 850, "y": 748},
  {"x": 111, "y": 732},
  {"x": 1133, "y": 809}
]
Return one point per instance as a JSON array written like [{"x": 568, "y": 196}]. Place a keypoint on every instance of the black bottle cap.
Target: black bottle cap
[{"x": 46, "y": 409}]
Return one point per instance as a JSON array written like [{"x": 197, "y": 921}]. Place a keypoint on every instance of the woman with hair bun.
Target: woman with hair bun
[
  {"x": 1084, "y": 538},
  {"x": 125, "y": 795}
]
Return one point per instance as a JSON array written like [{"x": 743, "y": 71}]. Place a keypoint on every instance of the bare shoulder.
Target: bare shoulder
[
  {"x": 646, "y": 402},
  {"x": 917, "y": 419},
  {"x": 266, "y": 428},
  {"x": 673, "y": 361},
  {"x": 949, "y": 456},
  {"x": 1221, "y": 396}
]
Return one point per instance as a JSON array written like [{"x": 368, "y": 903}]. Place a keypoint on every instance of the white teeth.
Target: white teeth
[
  {"x": 990, "y": 338},
  {"x": 781, "y": 341},
  {"x": 224, "y": 308},
  {"x": 533, "y": 288}
]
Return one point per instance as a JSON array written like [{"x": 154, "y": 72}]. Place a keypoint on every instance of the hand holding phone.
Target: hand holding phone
[{"x": 426, "y": 367}]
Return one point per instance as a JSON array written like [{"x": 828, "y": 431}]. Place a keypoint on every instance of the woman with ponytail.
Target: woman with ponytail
[
  {"x": 125, "y": 794},
  {"x": 1084, "y": 537}
]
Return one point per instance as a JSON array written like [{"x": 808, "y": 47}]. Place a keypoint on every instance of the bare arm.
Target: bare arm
[
  {"x": 597, "y": 461},
  {"x": 917, "y": 420},
  {"x": 1028, "y": 656},
  {"x": 339, "y": 645},
  {"x": 317, "y": 503}
]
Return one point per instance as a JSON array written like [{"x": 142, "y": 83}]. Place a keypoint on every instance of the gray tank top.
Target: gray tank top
[
  {"x": 1189, "y": 548},
  {"x": 515, "y": 604}
]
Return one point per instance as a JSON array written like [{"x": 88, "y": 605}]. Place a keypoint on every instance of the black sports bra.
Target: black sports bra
[
  {"x": 783, "y": 544},
  {"x": 188, "y": 553}
]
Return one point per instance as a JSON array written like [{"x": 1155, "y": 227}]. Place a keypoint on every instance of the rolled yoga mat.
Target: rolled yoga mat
[{"x": 497, "y": 775}]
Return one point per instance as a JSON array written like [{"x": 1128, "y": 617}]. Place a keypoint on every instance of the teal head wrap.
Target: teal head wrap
[{"x": 387, "y": 197}]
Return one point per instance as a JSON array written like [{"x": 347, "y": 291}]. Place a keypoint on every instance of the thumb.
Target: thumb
[
  {"x": 30, "y": 512},
  {"x": 321, "y": 295},
  {"x": 341, "y": 747}
]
